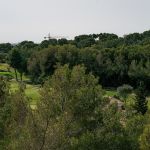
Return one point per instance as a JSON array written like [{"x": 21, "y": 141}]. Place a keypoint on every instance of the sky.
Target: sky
[{"x": 33, "y": 19}]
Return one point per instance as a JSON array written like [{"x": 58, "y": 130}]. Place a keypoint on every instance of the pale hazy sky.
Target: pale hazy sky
[{"x": 33, "y": 19}]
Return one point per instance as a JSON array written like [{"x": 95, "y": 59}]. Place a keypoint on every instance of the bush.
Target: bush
[{"x": 124, "y": 90}]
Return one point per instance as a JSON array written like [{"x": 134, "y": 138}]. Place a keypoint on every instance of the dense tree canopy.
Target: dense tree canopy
[
  {"x": 73, "y": 111},
  {"x": 115, "y": 60}
]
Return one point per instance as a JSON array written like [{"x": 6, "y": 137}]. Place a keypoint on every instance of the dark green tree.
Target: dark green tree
[
  {"x": 15, "y": 61},
  {"x": 141, "y": 101},
  {"x": 5, "y": 47},
  {"x": 62, "y": 41}
]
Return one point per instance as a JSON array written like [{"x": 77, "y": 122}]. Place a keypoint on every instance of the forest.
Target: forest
[{"x": 88, "y": 93}]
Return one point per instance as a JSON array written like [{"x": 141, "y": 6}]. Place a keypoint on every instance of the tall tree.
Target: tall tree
[
  {"x": 16, "y": 61},
  {"x": 141, "y": 101}
]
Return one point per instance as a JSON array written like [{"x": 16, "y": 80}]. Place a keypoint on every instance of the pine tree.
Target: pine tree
[{"x": 141, "y": 102}]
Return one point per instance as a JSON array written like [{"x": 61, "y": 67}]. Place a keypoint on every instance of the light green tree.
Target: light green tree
[
  {"x": 124, "y": 90},
  {"x": 145, "y": 139}
]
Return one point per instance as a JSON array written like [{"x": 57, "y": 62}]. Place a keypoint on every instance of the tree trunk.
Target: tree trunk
[
  {"x": 21, "y": 76},
  {"x": 16, "y": 74}
]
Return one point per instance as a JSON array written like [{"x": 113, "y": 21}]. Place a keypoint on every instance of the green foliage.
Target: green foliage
[
  {"x": 114, "y": 66},
  {"x": 84, "y": 41},
  {"x": 145, "y": 139},
  {"x": 27, "y": 45},
  {"x": 5, "y": 47},
  {"x": 46, "y": 43},
  {"x": 62, "y": 41},
  {"x": 115, "y": 60},
  {"x": 140, "y": 71},
  {"x": 72, "y": 111},
  {"x": 15, "y": 59},
  {"x": 70, "y": 106},
  {"x": 19, "y": 112},
  {"x": 141, "y": 101},
  {"x": 124, "y": 90},
  {"x": 73, "y": 114},
  {"x": 3, "y": 57},
  {"x": 42, "y": 63},
  {"x": 134, "y": 128},
  {"x": 4, "y": 113}
]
